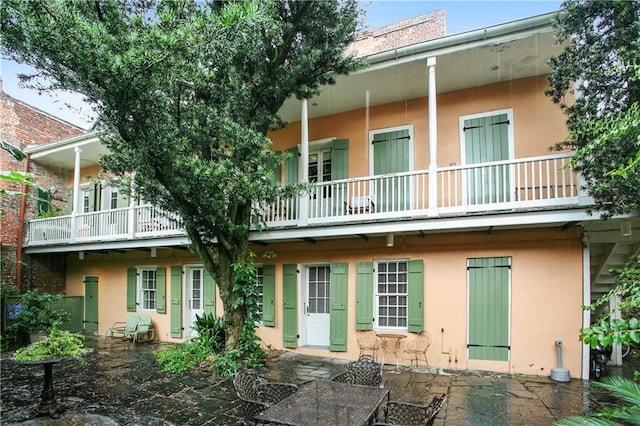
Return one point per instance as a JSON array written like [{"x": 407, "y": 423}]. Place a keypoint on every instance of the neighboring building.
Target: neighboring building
[
  {"x": 24, "y": 126},
  {"x": 438, "y": 207}
]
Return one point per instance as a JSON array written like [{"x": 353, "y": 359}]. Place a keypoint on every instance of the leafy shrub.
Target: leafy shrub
[
  {"x": 210, "y": 330},
  {"x": 227, "y": 363},
  {"x": 183, "y": 357},
  {"x": 38, "y": 313},
  {"x": 58, "y": 344}
]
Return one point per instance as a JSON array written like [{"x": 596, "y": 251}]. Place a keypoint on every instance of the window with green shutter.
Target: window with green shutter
[
  {"x": 43, "y": 203},
  {"x": 267, "y": 285},
  {"x": 364, "y": 296},
  {"x": 209, "y": 293}
]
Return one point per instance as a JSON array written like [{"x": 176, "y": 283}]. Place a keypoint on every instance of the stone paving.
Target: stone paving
[{"x": 122, "y": 385}]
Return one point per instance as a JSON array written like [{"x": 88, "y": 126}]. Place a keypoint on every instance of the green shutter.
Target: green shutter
[
  {"x": 269, "y": 295},
  {"x": 70, "y": 200},
  {"x": 289, "y": 301},
  {"x": 43, "y": 202},
  {"x": 489, "y": 308},
  {"x": 94, "y": 197},
  {"x": 391, "y": 155},
  {"x": 209, "y": 293},
  {"x": 277, "y": 171},
  {"x": 338, "y": 316},
  {"x": 123, "y": 198},
  {"x": 291, "y": 166},
  {"x": 416, "y": 296},
  {"x": 132, "y": 277},
  {"x": 339, "y": 170},
  {"x": 364, "y": 296},
  {"x": 340, "y": 159},
  {"x": 161, "y": 290},
  {"x": 176, "y": 302}
]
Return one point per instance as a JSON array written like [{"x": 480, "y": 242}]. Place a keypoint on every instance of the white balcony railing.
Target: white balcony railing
[{"x": 538, "y": 182}]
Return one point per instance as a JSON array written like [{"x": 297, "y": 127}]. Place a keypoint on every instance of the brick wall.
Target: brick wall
[
  {"x": 23, "y": 126},
  {"x": 425, "y": 27}
]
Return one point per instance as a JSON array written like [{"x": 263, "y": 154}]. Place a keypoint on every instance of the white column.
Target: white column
[
  {"x": 616, "y": 314},
  {"x": 304, "y": 164},
  {"x": 586, "y": 301},
  {"x": 433, "y": 139},
  {"x": 132, "y": 208},
  {"x": 76, "y": 195}
]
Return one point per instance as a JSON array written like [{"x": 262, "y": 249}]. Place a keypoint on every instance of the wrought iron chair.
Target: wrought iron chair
[
  {"x": 404, "y": 413},
  {"x": 274, "y": 392},
  {"x": 366, "y": 371},
  {"x": 418, "y": 347},
  {"x": 246, "y": 385},
  {"x": 344, "y": 377},
  {"x": 368, "y": 341}
]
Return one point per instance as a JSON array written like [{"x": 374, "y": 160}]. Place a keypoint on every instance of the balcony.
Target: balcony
[{"x": 535, "y": 183}]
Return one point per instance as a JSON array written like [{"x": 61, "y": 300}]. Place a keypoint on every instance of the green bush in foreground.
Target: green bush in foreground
[{"x": 58, "y": 344}]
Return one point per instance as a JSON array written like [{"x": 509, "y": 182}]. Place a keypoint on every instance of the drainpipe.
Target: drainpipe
[
  {"x": 21, "y": 214},
  {"x": 433, "y": 140},
  {"x": 586, "y": 301},
  {"x": 304, "y": 153}
]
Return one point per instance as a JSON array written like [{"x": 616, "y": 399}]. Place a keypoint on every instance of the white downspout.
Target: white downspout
[
  {"x": 586, "y": 301},
  {"x": 132, "y": 208},
  {"x": 76, "y": 195},
  {"x": 433, "y": 140},
  {"x": 304, "y": 164}
]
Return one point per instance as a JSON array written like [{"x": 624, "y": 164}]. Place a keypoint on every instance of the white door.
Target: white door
[
  {"x": 317, "y": 305},
  {"x": 194, "y": 303}
]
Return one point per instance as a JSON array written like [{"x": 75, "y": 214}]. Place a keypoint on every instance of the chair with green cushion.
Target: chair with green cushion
[
  {"x": 123, "y": 329},
  {"x": 144, "y": 333}
]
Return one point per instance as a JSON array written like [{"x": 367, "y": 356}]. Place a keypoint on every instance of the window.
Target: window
[
  {"x": 319, "y": 286},
  {"x": 196, "y": 289},
  {"x": 391, "y": 290},
  {"x": 86, "y": 201},
  {"x": 320, "y": 169},
  {"x": 43, "y": 203},
  {"x": 148, "y": 288},
  {"x": 260, "y": 289}
]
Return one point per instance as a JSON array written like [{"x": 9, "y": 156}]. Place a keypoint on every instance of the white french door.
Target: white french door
[
  {"x": 194, "y": 302},
  {"x": 316, "y": 306}
]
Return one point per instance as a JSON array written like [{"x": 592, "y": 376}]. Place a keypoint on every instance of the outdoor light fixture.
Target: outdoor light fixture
[
  {"x": 269, "y": 254},
  {"x": 153, "y": 252},
  {"x": 81, "y": 255},
  {"x": 390, "y": 239},
  {"x": 625, "y": 228}
]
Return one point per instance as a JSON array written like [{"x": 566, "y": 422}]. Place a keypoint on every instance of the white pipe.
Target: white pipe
[{"x": 586, "y": 301}]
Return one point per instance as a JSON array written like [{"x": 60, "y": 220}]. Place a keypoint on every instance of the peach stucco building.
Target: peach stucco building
[{"x": 438, "y": 208}]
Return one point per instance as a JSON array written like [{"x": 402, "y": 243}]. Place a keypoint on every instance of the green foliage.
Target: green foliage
[
  {"x": 602, "y": 48},
  {"x": 183, "y": 357},
  {"x": 58, "y": 344},
  {"x": 199, "y": 83},
  {"x": 210, "y": 330},
  {"x": 607, "y": 331},
  {"x": 228, "y": 363},
  {"x": 623, "y": 389},
  {"x": 39, "y": 313}
]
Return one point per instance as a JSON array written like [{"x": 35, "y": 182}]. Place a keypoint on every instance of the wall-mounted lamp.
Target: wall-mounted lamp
[
  {"x": 153, "y": 252},
  {"x": 390, "y": 240},
  {"x": 81, "y": 255},
  {"x": 269, "y": 254},
  {"x": 625, "y": 228}
]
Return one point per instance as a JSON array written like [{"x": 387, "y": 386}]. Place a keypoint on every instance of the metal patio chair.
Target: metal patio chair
[
  {"x": 368, "y": 341},
  {"x": 418, "y": 347},
  {"x": 144, "y": 332},
  {"x": 366, "y": 371},
  {"x": 404, "y": 413},
  {"x": 123, "y": 329},
  {"x": 274, "y": 392},
  {"x": 257, "y": 394}
]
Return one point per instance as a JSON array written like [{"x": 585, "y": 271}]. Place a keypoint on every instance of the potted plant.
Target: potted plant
[{"x": 38, "y": 314}]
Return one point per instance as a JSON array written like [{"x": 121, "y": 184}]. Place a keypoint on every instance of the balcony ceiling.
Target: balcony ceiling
[{"x": 457, "y": 67}]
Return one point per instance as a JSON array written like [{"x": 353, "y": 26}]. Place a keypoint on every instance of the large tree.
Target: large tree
[
  {"x": 594, "y": 80},
  {"x": 186, "y": 92}
]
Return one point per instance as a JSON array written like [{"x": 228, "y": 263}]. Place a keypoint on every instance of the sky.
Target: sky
[{"x": 461, "y": 16}]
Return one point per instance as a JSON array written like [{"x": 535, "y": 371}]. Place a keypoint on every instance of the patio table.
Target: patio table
[
  {"x": 324, "y": 402},
  {"x": 394, "y": 339}
]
